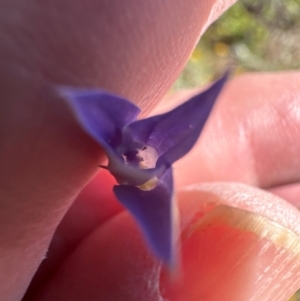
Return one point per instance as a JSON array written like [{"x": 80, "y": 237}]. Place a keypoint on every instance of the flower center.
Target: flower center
[{"x": 141, "y": 158}]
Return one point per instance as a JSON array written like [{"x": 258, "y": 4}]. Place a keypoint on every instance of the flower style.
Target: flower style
[{"x": 141, "y": 153}]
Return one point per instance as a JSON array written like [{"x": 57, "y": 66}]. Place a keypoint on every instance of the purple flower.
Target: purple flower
[{"x": 141, "y": 153}]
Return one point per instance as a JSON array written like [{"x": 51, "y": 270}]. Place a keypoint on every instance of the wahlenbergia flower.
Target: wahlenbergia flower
[{"x": 141, "y": 153}]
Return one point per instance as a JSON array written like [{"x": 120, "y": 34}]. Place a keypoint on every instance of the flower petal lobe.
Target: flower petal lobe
[
  {"x": 100, "y": 113},
  {"x": 173, "y": 134},
  {"x": 154, "y": 213}
]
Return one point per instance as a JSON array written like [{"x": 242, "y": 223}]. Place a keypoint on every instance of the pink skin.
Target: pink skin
[
  {"x": 261, "y": 116},
  {"x": 97, "y": 251}
]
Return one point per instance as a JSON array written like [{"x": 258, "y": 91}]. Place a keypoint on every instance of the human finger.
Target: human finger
[{"x": 251, "y": 136}]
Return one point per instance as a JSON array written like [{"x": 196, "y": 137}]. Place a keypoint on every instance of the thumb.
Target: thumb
[{"x": 45, "y": 159}]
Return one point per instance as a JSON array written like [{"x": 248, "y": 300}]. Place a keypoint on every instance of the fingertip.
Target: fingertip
[
  {"x": 232, "y": 254},
  {"x": 238, "y": 243}
]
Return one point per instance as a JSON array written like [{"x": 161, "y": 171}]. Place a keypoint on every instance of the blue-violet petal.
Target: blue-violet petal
[
  {"x": 101, "y": 113},
  {"x": 153, "y": 211},
  {"x": 174, "y": 133}
]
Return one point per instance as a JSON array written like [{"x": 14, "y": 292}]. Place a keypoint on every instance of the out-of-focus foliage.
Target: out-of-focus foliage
[
  {"x": 253, "y": 35},
  {"x": 294, "y": 298}
]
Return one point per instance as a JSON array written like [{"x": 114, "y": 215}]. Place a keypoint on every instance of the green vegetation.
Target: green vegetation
[{"x": 253, "y": 35}]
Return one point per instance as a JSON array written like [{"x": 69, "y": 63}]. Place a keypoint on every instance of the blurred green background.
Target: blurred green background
[{"x": 253, "y": 35}]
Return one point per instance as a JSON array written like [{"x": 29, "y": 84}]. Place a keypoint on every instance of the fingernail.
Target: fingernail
[{"x": 233, "y": 254}]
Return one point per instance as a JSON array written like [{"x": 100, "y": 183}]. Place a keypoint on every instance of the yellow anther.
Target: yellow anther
[{"x": 149, "y": 185}]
